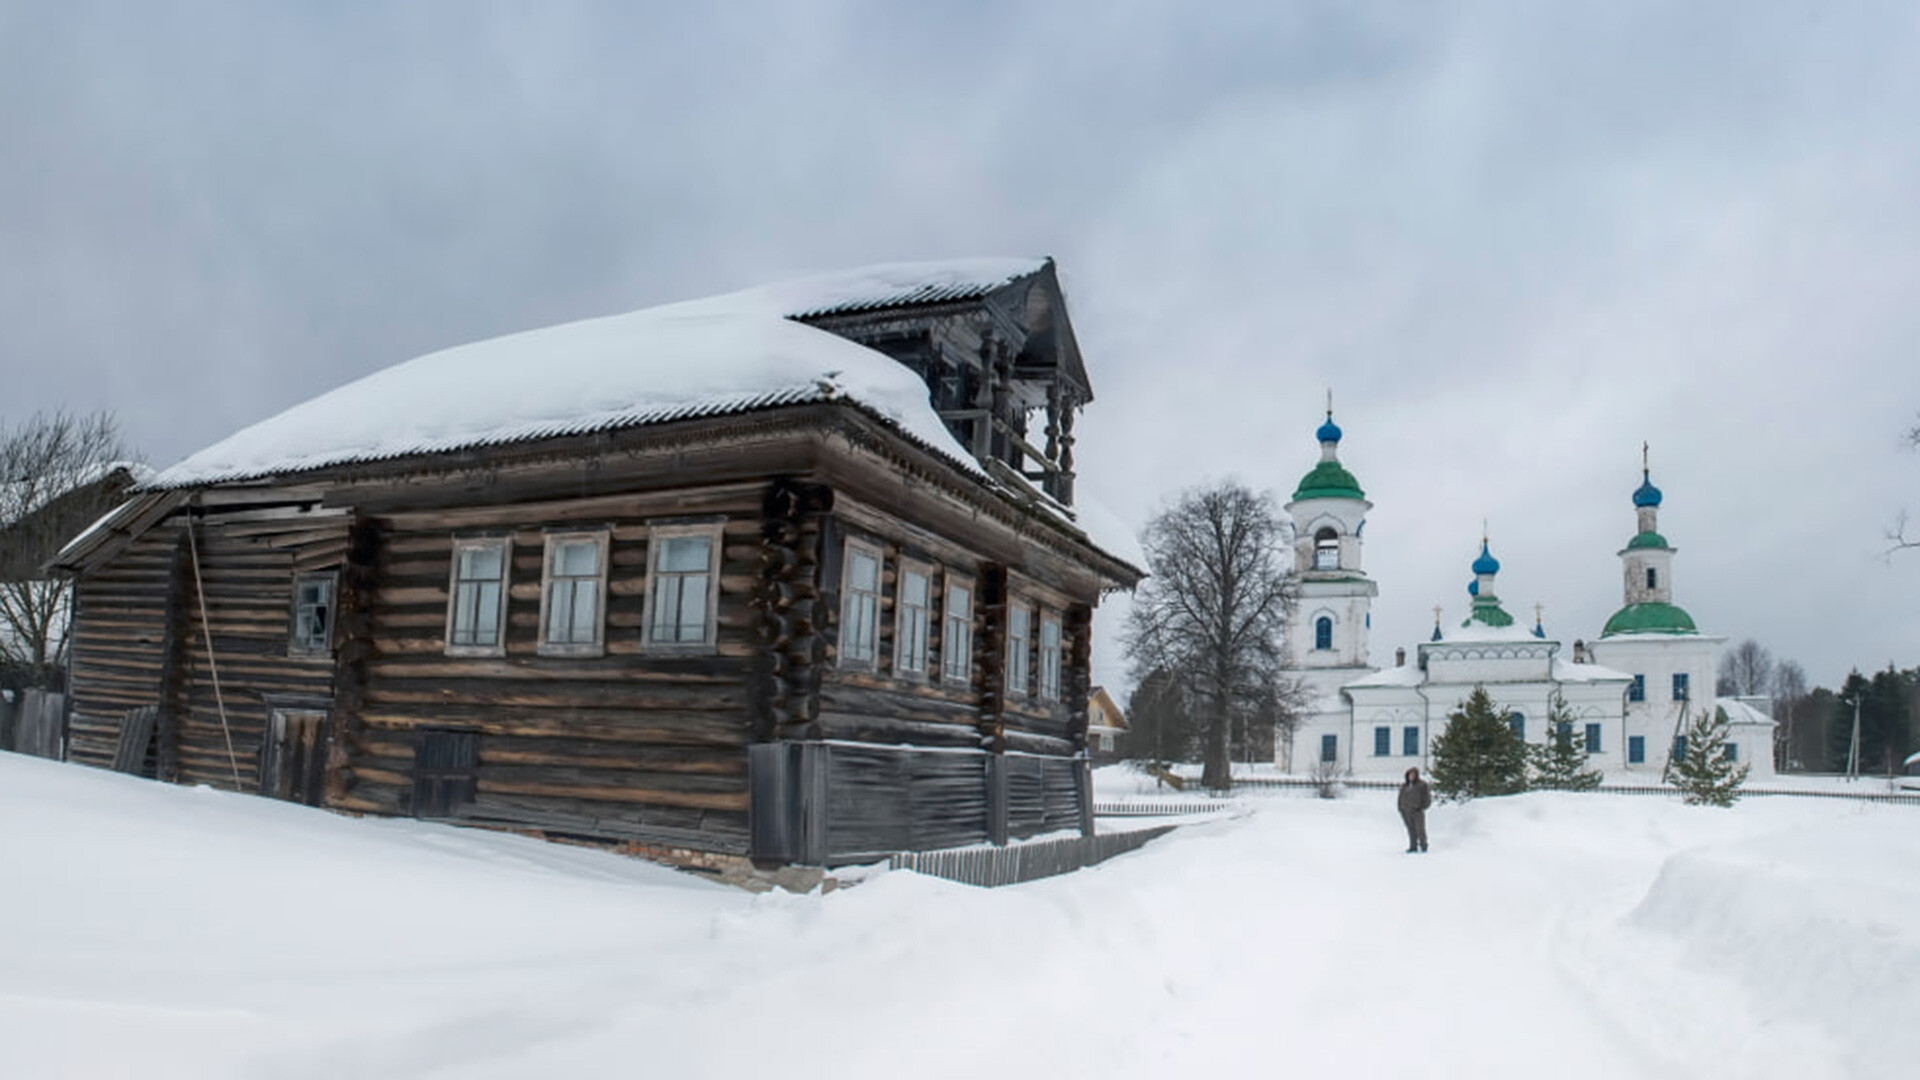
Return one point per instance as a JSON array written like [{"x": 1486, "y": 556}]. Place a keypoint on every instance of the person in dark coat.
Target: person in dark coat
[{"x": 1415, "y": 797}]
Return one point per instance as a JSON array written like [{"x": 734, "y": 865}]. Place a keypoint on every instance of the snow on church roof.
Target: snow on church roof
[{"x": 726, "y": 354}]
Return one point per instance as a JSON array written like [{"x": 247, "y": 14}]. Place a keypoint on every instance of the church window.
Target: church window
[
  {"x": 1679, "y": 747},
  {"x": 1679, "y": 686},
  {"x": 1653, "y": 578},
  {"x": 1593, "y": 738},
  {"x": 1636, "y": 749},
  {"x": 1329, "y": 748},
  {"x": 1323, "y": 633},
  {"x": 1563, "y": 734},
  {"x": 1732, "y": 751},
  {"x": 1382, "y": 741},
  {"x": 1326, "y": 550},
  {"x": 1518, "y": 722},
  {"x": 1637, "y": 690},
  {"x": 1410, "y": 741}
]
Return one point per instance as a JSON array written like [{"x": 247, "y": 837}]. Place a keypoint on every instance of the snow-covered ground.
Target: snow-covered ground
[{"x": 150, "y": 931}]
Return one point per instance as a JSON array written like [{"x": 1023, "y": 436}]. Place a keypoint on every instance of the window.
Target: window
[
  {"x": 1382, "y": 741},
  {"x": 1731, "y": 751},
  {"x": 1410, "y": 741},
  {"x": 1323, "y": 633},
  {"x": 1329, "y": 749},
  {"x": 312, "y": 614},
  {"x": 1637, "y": 689},
  {"x": 910, "y": 621},
  {"x": 1018, "y": 632},
  {"x": 1518, "y": 722},
  {"x": 1049, "y": 659},
  {"x": 477, "y": 604},
  {"x": 1653, "y": 578},
  {"x": 682, "y": 587},
  {"x": 1679, "y": 686},
  {"x": 1593, "y": 738},
  {"x": 1326, "y": 550},
  {"x": 1636, "y": 749},
  {"x": 1106, "y": 742},
  {"x": 860, "y": 607},
  {"x": 445, "y": 765},
  {"x": 1563, "y": 733},
  {"x": 956, "y": 634},
  {"x": 570, "y": 617},
  {"x": 1679, "y": 747}
]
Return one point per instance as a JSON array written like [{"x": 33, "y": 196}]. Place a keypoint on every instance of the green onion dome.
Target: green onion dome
[
  {"x": 1328, "y": 480},
  {"x": 1649, "y": 618}
]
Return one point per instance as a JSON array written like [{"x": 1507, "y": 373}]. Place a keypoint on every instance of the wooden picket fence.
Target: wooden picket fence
[
  {"x": 1361, "y": 783},
  {"x": 1151, "y": 808},
  {"x": 990, "y": 867}
]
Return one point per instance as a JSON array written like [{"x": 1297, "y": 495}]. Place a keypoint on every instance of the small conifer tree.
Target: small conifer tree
[
  {"x": 1560, "y": 764},
  {"x": 1479, "y": 753},
  {"x": 1705, "y": 775}
]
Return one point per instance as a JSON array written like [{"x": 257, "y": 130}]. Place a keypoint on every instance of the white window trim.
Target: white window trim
[
  {"x": 1050, "y": 659},
  {"x": 1025, "y": 687},
  {"x": 948, "y": 583},
  {"x": 710, "y": 635},
  {"x": 851, "y": 548},
  {"x": 505, "y": 544},
  {"x": 901, "y": 668},
  {"x": 603, "y": 540},
  {"x": 296, "y": 647}
]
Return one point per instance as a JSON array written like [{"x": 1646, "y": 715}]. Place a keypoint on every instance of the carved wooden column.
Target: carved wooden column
[
  {"x": 353, "y": 615},
  {"x": 786, "y": 698}
]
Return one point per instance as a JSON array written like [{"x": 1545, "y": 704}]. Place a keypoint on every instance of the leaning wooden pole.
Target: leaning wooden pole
[{"x": 213, "y": 666}]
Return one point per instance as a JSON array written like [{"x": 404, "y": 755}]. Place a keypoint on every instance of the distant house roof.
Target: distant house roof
[
  {"x": 735, "y": 353},
  {"x": 1111, "y": 717},
  {"x": 1739, "y": 712}
]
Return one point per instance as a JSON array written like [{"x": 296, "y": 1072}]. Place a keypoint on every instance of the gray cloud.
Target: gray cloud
[{"x": 1515, "y": 242}]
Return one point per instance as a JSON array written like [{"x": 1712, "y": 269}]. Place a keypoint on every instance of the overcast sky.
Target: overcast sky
[{"x": 1515, "y": 240}]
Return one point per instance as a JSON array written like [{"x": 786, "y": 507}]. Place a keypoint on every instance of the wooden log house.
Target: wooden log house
[{"x": 791, "y": 575}]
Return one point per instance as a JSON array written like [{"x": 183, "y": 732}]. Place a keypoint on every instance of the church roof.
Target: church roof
[
  {"x": 1649, "y": 618},
  {"x": 1648, "y": 540},
  {"x": 1328, "y": 480},
  {"x": 1646, "y": 494}
]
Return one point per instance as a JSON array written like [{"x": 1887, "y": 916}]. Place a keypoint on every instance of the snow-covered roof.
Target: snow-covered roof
[
  {"x": 1739, "y": 712},
  {"x": 725, "y": 354},
  {"x": 1565, "y": 670},
  {"x": 1479, "y": 631},
  {"x": 1402, "y": 675}
]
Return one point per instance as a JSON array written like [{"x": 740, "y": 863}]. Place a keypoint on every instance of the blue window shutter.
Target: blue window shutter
[
  {"x": 1382, "y": 741},
  {"x": 1329, "y": 748},
  {"x": 1593, "y": 738},
  {"x": 1636, "y": 749},
  {"x": 1410, "y": 741}
]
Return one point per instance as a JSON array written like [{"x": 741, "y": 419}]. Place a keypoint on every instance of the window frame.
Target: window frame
[
  {"x": 1019, "y": 661},
  {"x": 1517, "y": 720},
  {"x": 1591, "y": 738},
  {"x": 1383, "y": 740},
  {"x": 714, "y": 532},
  {"x": 902, "y": 667},
  {"x": 1682, "y": 688},
  {"x": 843, "y": 659},
  {"x": 1410, "y": 740},
  {"x": 1323, "y": 632},
  {"x": 603, "y": 543},
  {"x": 1636, "y": 749},
  {"x": 1637, "y": 689},
  {"x": 297, "y": 644},
  {"x": 1329, "y": 749},
  {"x": 960, "y": 674},
  {"x": 1050, "y": 655},
  {"x": 469, "y": 543}
]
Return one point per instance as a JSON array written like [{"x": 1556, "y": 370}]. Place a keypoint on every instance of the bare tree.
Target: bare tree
[
  {"x": 1215, "y": 607},
  {"x": 1746, "y": 670},
  {"x": 1789, "y": 686},
  {"x": 1897, "y": 536},
  {"x": 46, "y": 463}
]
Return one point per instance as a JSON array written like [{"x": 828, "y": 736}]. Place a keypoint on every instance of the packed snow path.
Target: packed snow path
[{"x": 165, "y": 932}]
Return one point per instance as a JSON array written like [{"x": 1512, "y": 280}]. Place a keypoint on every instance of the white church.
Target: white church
[{"x": 1631, "y": 691}]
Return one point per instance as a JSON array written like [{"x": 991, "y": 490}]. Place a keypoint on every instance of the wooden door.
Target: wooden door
[{"x": 293, "y": 756}]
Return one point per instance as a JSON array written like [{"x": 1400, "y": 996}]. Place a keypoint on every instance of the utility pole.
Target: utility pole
[{"x": 1853, "y": 744}]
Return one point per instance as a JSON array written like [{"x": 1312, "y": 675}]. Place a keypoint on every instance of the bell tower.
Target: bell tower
[{"x": 1328, "y": 631}]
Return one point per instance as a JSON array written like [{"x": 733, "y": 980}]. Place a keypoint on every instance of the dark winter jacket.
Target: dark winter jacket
[{"x": 1415, "y": 795}]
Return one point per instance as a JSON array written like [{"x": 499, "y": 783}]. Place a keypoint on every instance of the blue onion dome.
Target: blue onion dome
[
  {"x": 1329, "y": 431},
  {"x": 1473, "y": 587},
  {"x": 1646, "y": 494},
  {"x": 1486, "y": 563}
]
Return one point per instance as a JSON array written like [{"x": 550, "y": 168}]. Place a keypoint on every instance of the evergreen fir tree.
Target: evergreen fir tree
[
  {"x": 1479, "y": 753},
  {"x": 1705, "y": 775},
  {"x": 1560, "y": 764}
]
